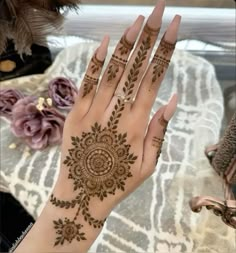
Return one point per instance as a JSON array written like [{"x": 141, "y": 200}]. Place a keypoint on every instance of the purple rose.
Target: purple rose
[
  {"x": 8, "y": 97},
  {"x": 62, "y": 92},
  {"x": 37, "y": 123}
]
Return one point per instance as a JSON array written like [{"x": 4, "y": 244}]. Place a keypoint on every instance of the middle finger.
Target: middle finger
[{"x": 139, "y": 60}]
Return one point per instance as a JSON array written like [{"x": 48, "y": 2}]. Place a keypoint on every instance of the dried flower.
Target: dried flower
[
  {"x": 38, "y": 128},
  {"x": 8, "y": 97},
  {"x": 62, "y": 92}
]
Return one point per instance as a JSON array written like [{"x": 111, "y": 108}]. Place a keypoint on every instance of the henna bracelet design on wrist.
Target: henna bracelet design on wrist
[{"x": 99, "y": 163}]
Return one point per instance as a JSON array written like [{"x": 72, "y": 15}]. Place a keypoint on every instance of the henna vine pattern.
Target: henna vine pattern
[
  {"x": 89, "y": 82},
  {"x": 157, "y": 142},
  {"x": 138, "y": 62},
  {"x": 99, "y": 163}
]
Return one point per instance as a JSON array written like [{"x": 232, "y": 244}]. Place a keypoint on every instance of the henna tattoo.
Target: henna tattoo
[
  {"x": 138, "y": 62},
  {"x": 96, "y": 64},
  {"x": 163, "y": 122},
  {"x": 125, "y": 46},
  {"x": 99, "y": 163},
  {"x": 160, "y": 65},
  {"x": 166, "y": 47},
  {"x": 157, "y": 142},
  {"x": 89, "y": 82},
  {"x": 68, "y": 231},
  {"x": 113, "y": 69},
  {"x": 151, "y": 31}
]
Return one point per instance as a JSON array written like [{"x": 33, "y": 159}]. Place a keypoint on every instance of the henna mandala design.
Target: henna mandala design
[
  {"x": 157, "y": 142},
  {"x": 125, "y": 46},
  {"x": 99, "y": 163},
  {"x": 166, "y": 47},
  {"x": 160, "y": 65},
  {"x": 96, "y": 64},
  {"x": 89, "y": 82},
  {"x": 68, "y": 231}
]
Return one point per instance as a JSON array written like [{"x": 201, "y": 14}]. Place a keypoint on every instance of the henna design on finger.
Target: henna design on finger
[
  {"x": 163, "y": 122},
  {"x": 138, "y": 62},
  {"x": 113, "y": 69},
  {"x": 96, "y": 64},
  {"x": 166, "y": 47},
  {"x": 160, "y": 65},
  {"x": 89, "y": 82},
  {"x": 157, "y": 142},
  {"x": 125, "y": 46},
  {"x": 99, "y": 164},
  {"x": 151, "y": 31}
]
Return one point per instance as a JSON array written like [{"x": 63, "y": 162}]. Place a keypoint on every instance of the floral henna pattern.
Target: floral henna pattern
[
  {"x": 166, "y": 47},
  {"x": 160, "y": 65},
  {"x": 96, "y": 64},
  {"x": 89, "y": 82},
  {"x": 99, "y": 163},
  {"x": 113, "y": 69},
  {"x": 116, "y": 62},
  {"x": 125, "y": 46},
  {"x": 67, "y": 230}
]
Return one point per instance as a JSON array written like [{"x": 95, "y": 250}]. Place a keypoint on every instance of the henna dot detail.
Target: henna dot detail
[{"x": 103, "y": 164}]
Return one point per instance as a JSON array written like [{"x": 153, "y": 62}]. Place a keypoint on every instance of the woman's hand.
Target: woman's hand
[{"x": 109, "y": 146}]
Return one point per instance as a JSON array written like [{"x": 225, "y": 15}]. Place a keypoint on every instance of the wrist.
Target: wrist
[{"x": 57, "y": 230}]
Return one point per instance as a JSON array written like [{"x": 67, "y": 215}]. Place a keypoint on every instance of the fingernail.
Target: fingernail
[
  {"x": 102, "y": 50},
  {"x": 133, "y": 31},
  {"x": 154, "y": 20},
  {"x": 171, "y": 107},
  {"x": 172, "y": 30}
]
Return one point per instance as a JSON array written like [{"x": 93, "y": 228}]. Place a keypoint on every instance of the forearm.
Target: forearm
[{"x": 43, "y": 237}]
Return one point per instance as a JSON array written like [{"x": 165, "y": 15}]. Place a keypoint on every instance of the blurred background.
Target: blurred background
[{"x": 193, "y": 3}]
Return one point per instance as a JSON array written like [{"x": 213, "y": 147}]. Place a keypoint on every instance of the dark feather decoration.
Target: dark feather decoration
[{"x": 29, "y": 22}]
